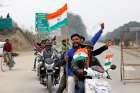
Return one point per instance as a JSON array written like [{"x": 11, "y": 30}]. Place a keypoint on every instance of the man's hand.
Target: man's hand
[
  {"x": 80, "y": 71},
  {"x": 66, "y": 58},
  {"x": 109, "y": 43},
  {"x": 54, "y": 38},
  {"x": 102, "y": 26}
]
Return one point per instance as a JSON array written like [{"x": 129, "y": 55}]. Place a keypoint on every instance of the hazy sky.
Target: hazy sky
[{"x": 113, "y": 12}]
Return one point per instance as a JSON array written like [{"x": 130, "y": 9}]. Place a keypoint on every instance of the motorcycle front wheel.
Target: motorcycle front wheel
[{"x": 49, "y": 83}]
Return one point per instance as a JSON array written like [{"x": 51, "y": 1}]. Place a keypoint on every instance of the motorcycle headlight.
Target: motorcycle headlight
[
  {"x": 49, "y": 66},
  {"x": 56, "y": 68},
  {"x": 42, "y": 68}
]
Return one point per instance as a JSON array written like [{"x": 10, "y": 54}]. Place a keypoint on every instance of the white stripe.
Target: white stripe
[
  {"x": 129, "y": 68},
  {"x": 79, "y": 55},
  {"x": 58, "y": 19}
]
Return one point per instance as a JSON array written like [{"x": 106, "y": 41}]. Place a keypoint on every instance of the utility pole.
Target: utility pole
[{"x": 136, "y": 37}]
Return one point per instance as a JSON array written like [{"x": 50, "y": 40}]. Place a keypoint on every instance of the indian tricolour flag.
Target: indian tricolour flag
[
  {"x": 58, "y": 18},
  {"x": 80, "y": 54},
  {"x": 108, "y": 61}
]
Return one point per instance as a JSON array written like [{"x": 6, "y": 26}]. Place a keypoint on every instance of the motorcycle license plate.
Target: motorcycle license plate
[
  {"x": 102, "y": 89},
  {"x": 96, "y": 86},
  {"x": 89, "y": 88},
  {"x": 101, "y": 86}
]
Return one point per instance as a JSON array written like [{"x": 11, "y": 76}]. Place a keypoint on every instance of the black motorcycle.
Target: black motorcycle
[{"x": 49, "y": 72}]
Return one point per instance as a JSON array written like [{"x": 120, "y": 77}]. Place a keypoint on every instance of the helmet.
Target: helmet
[
  {"x": 48, "y": 42},
  {"x": 80, "y": 55},
  {"x": 42, "y": 42},
  {"x": 88, "y": 43}
]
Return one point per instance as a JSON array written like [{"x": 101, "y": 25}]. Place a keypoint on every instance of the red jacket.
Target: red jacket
[
  {"x": 37, "y": 47},
  {"x": 7, "y": 47}
]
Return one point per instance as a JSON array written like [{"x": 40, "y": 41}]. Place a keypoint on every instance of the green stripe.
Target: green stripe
[
  {"x": 60, "y": 24},
  {"x": 80, "y": 58},
  {"x": 108, "y": 63}
]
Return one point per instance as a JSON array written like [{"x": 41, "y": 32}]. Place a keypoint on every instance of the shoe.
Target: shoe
[
  {"x": 42, "y": 82},
  {"x": 57, "y": 81},
  {"x": 33, "y": 69}
]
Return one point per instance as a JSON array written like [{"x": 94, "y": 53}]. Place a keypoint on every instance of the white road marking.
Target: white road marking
[{"x": 129, "y": 68}]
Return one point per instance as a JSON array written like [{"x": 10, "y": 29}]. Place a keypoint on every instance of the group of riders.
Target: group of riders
[{"x": 73, "y": 75}]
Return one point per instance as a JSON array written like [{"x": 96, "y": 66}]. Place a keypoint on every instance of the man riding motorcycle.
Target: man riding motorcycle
[
  {"x": 39, "y": 47},
  {"x": 48, "y": 52},
  {"x": 64, "y": 48},
  {"x": 82, "y": 62},
  {"x": 76, "y": 43}
]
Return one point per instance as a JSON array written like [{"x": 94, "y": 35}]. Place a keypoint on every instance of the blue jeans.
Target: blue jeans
[{"x": 80, "y": 87}]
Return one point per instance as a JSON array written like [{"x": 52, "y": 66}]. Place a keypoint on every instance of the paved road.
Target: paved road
[
  {"x": 22, "y": 80},
  {"x": 117, "y": 85}
]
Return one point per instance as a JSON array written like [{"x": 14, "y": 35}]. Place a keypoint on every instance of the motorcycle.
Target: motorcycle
[
  {"x": 95, "y": 81},
  {"x": 48, "y": 73},
  {"x": 38, "y": 64}
]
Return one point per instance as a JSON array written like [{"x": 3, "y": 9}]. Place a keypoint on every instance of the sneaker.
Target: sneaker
[
  {"x": 42, "y": 82},
  {"x": 33, "y": 69},
  {"x": 56, "y": 81}
]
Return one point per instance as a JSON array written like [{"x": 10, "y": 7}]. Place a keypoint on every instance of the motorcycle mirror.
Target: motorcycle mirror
[
  {"x": 113, "y": 67},
  {"x": 98, "y": 68}
]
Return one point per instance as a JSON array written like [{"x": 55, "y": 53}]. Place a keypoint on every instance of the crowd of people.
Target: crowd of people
[
  {"x": 8, "y": 16},
  {"x": 72, "y": 77}
]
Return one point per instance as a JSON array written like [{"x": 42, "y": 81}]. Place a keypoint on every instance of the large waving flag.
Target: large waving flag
[{"x": 57, "y": 19}]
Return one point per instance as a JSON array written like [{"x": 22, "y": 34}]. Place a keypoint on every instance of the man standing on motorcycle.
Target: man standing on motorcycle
[
  {"x": 76, "y": 43},
  {"x": 95, "y": 38},
  {"x": 81, "y": 63},
  {"x": 49, "y": 52}
]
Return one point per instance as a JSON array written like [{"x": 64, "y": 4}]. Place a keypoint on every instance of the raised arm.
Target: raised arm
[
  {"x": 102, "y": 49},
  {"x": 96, "y": 37}
]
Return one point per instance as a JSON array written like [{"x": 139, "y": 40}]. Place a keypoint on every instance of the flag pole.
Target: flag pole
[{"x": 67, "y": 28}]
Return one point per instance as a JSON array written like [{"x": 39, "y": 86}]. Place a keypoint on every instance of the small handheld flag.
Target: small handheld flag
[{"x": 108, "y": 61}]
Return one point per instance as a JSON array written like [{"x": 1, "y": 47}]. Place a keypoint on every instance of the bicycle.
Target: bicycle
[
  {"x": 3, "y": 65},
  {"x": 7, "y": 63}
]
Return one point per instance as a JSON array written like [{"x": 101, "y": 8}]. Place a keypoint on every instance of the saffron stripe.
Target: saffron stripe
[{"x": 57, "y": 13}]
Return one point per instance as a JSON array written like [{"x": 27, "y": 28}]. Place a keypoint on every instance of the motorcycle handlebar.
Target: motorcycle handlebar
[
  {"x": 97, "y": 74},
  {"x": 88, "y": 77}
]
